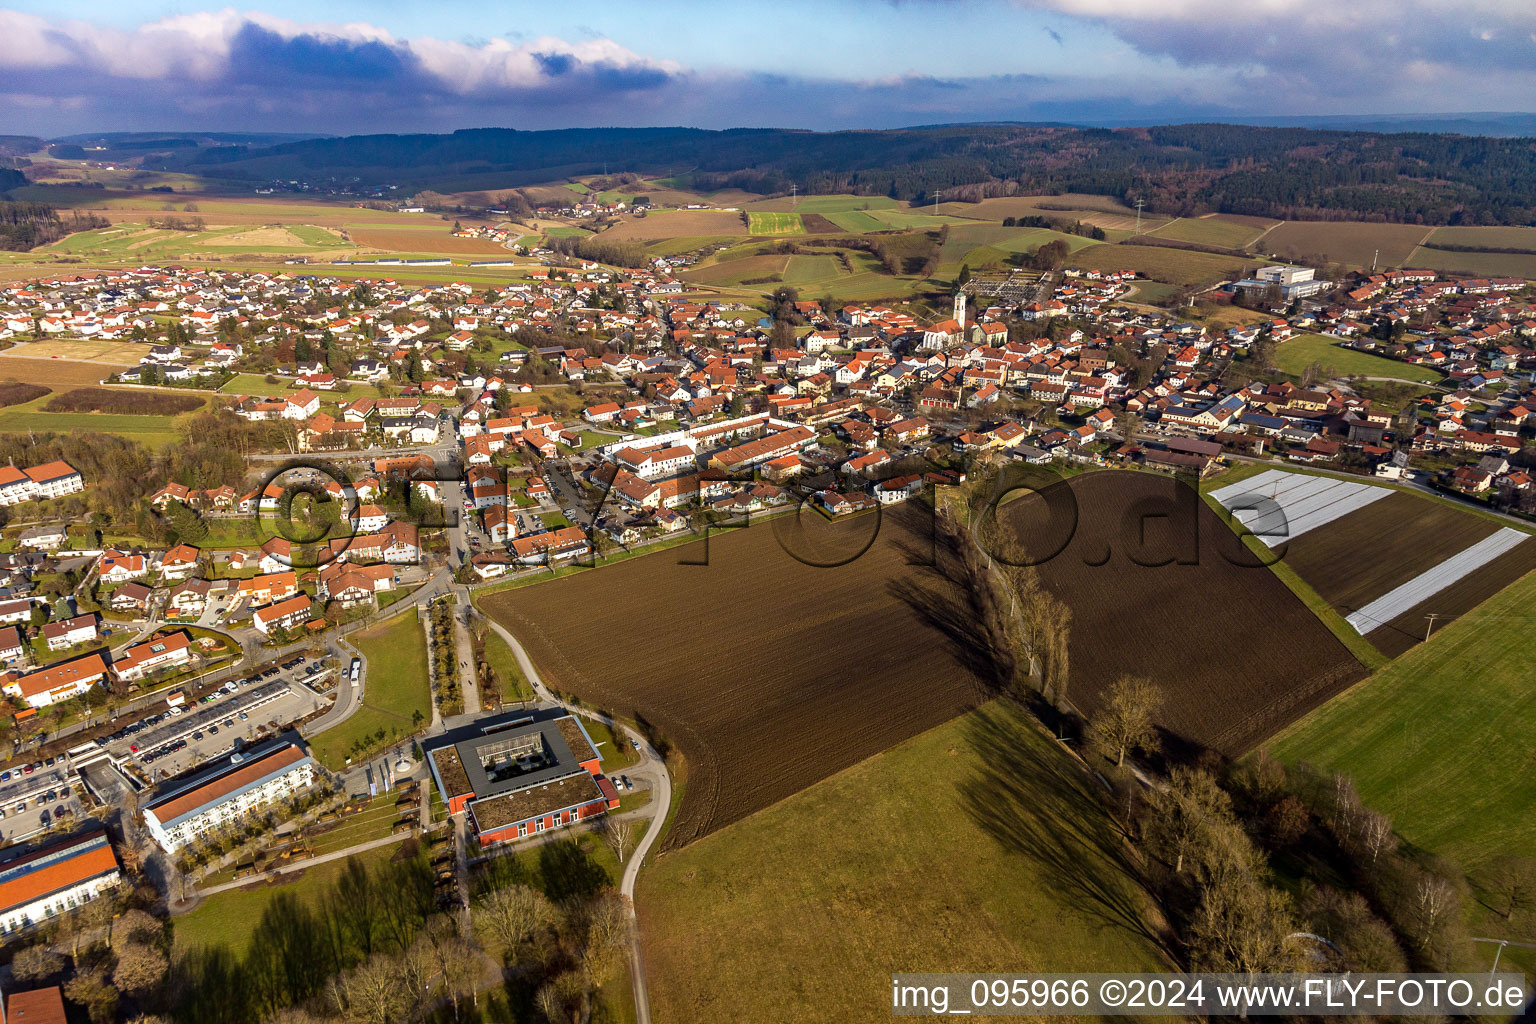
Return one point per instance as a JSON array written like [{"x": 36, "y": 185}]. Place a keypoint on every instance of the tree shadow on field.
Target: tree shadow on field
[
  {"x": 1036, "y": 803},
  {"x": 943, "y": 598}
]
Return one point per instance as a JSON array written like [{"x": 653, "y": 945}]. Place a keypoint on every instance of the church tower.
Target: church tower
[{"x": 960, "y": 310}]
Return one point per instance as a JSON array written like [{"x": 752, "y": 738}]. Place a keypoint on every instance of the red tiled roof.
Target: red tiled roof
[
  {"x": 224, "y": 785},
  {"x": 30, "y": 886}
]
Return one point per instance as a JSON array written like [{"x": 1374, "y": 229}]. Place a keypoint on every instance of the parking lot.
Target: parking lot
[
  {"x": 34, "y": 796},
  {"x": 174, "y": 740}
]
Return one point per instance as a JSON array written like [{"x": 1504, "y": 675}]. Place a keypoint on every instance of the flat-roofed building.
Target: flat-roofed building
[
  {"x": 517, "y": 776},
  {"x": 186, "y": 810},
  {"x": 54, "y": 879}
]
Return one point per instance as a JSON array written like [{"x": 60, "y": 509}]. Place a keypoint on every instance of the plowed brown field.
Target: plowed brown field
[
  {"x": 770, "y": 674},
  {"x": 1238, "y": 655}
]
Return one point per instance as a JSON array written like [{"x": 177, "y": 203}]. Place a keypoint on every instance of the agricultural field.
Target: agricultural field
[
  {"x": 436, "y": 239},
  {"x": 775, "y": 224},
  {"x": 1174, "y": 622},
  {"x": 1351, "y": 243},
  {"x": 1483, "y": 264},
  {"x": 1302, "y": 351},
  {"x": 1440, "y": 739},
  {"x": 759, "y": 680},
  {"x": 125, "y": 401},
  {"x": 153, "y": 430},
  {"x": 397, "y": 698},
  {"x": 1384, "y": 559},
  {"x": 845, "y": 890},
  {"x": 1179, "y": 267},
  {"x": 677, "y": 224},
  {"x": 131, "y": 240},
  {"x": 1360, "y": 556},
  {"x": 1487, "y": 237},
  {"x": 1101, "y": 211},
  {"x": 114, "y": 353},
  {"x": 1230, "y": 232}
]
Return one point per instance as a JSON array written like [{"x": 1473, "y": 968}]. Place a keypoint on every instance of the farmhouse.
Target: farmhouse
[
  {"x": 518, "y": 777},
  {"x": 54, "y": 879},
  {"x": 188, "y": 809}
]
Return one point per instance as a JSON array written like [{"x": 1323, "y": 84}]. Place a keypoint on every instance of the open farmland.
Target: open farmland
[
  {"x": 55, "y": 373},
  {"x": 1362, "y": 555},
  {"x": 1172, "y": 266},
  {"x": 844, "y": 888},
  {"x": 1483, "y": 264},
  {"x": 1216, "y": 229},
  {"x": 1174, "y": 622},
  {"x": 1440, "y": 739},
  {"x": 1295, "y": 355},
  {"x": 1351, "y": 243},
  {"x": 436, "y": 239},
  {"x": 676, "y": 224},
  {"x": 1487, "y": 237},
  {"x": 775, "y": 224},
  {"x": 1383, "y": 559},
  {"x": 761, "y": 669}
]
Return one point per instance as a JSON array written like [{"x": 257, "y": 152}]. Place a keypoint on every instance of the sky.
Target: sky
[{"x": 385, "y": 66}]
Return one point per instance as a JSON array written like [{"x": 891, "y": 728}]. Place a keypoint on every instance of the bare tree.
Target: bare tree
[
  {"x": 36, "y": 963},
  {"x": 617, "y": 835},
  {"x": 563, "y": 999},
  {"x": 1375, "y": 834},
  {"x": 1184, "y": 815},
  {"x": 139, "y": 970},
  {"x": 1344, "y": 809},
  {"x": 1434, "y": 898},
  {"x": 373, "y": 993},
  {"x": 1125, "y": 719},
  {"x": 510, "y": 916},
  {"x": 1242, "y": 926}
]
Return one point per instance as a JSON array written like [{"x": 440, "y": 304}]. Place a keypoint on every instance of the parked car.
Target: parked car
[{"x": 46, "y": 819}]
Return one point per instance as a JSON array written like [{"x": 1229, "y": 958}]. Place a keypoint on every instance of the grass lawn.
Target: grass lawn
[
  {"x": 514, "y": 685},
  {"x": 976, "y": 846},
  {"x": 394, "y": 689},
  {"x": 227, "y": 918},
  {"x": 1441, "y": 739},
  {"x": 374, "y": 822},
  {"x": 245, "y": 531},
  {"x": 612, "y": 746},
  {"x": 1296, "y": 355}
]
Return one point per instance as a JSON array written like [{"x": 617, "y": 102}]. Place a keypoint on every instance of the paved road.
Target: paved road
[{"x": 653, "y": 766}]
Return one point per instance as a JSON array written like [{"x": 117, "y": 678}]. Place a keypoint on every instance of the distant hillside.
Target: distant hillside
[{"x": 1289, "y": 172}]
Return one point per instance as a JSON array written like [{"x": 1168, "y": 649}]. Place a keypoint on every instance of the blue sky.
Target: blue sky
[{"x": 391, "y": 66}]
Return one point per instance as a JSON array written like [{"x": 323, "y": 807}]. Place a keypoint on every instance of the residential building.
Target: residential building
[
  {"x": 54, "y": 879},
  {"x": 141, "y": 659},
  {"x": 283, "y": 615},
  {"x": 60, "y": 681},
  {"x": 189, "y": 809}
]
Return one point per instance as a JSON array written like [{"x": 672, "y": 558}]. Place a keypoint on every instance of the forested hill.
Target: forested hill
[{"x": 1178, "y": 169}]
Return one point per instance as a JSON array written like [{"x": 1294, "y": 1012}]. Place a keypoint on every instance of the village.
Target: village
[{"x": 441, "y": 437}]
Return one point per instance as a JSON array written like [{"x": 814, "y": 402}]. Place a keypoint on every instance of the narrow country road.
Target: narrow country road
[{"x": 653, "y": 766}]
